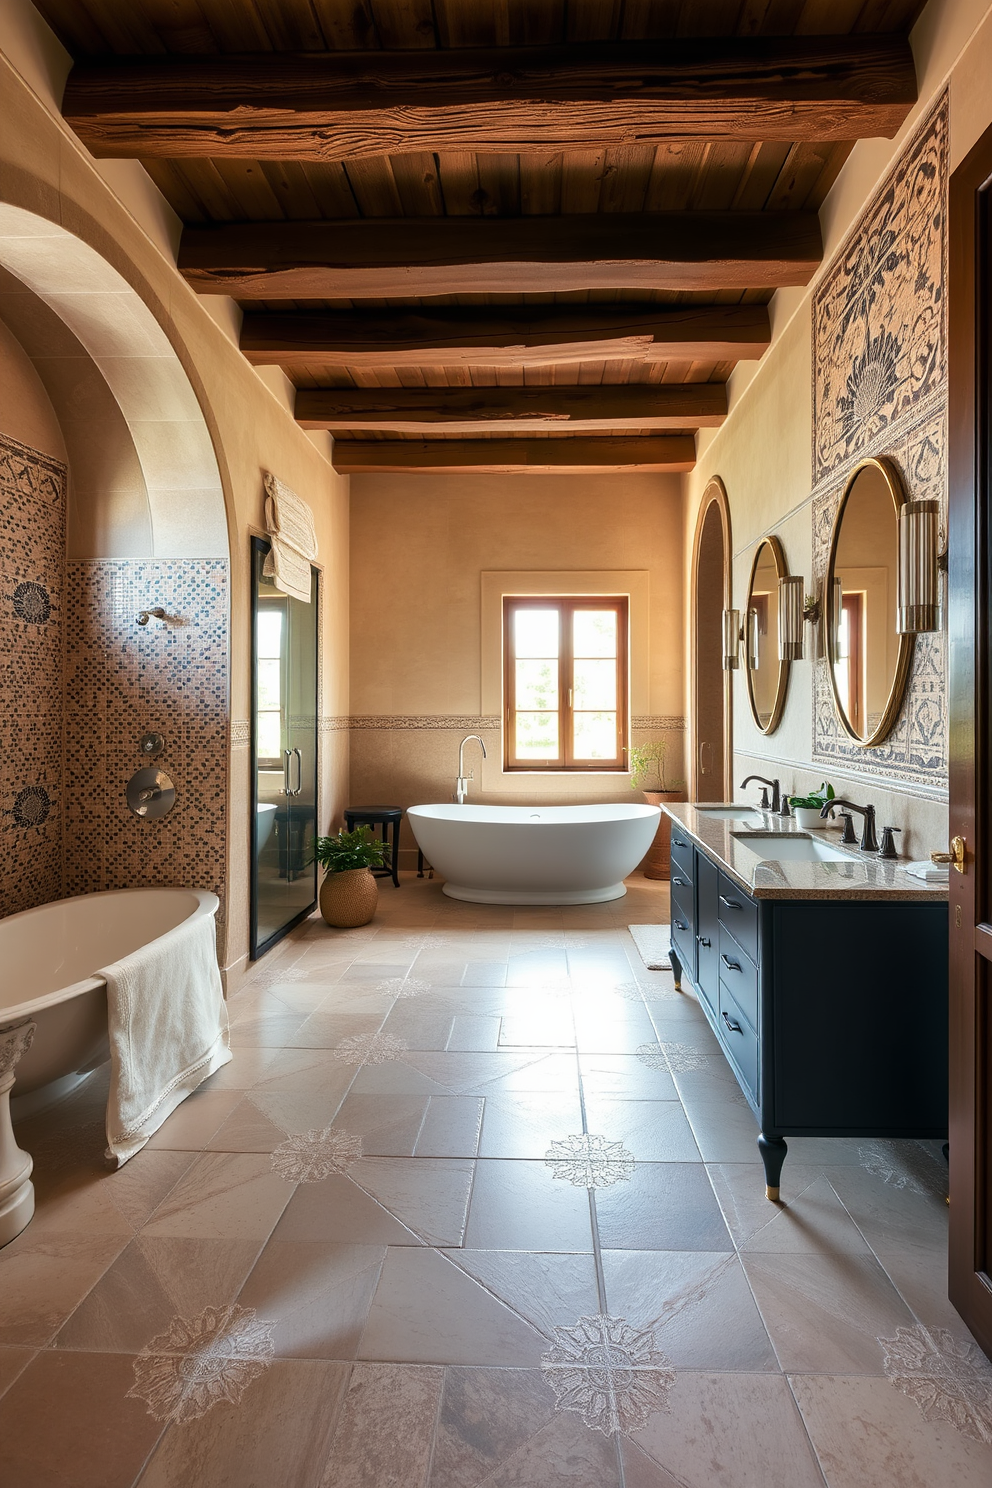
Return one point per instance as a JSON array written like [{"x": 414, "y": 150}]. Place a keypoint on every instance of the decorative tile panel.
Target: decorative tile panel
[
  {"x": 880, "y": 389},
  {"x": 32, "y": 598}
]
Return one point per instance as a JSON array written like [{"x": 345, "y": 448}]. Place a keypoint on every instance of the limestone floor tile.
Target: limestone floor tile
[
  {"x": 547, "y": 1288},
  {"x": 810, "y": 1217},
  {"x": 452, "y": 1126},
  {"x": 325, "y": 1029},
  {"x": 536, "y": 969},
  {"x": 485, "y": 972},
  {"x": 725, "y": 1130},
  {"x": 651, "y": 1130},
  {"x": 42, "y": 1280},
  {"x": 385, "y": 1433},
  {"x": 499, "y": 1428},
  {"x": 94, "y": 1201},
  {"x": 732, "y": 1431},
  {"x": 698, "y": 1304},
  {"x": 254, "y": 1066},
  {"x": 224, "y": 1195},
  {"x": 427, "y": 1310},
  {"x": 307, "y": 1072},
  {"x": 504, "y": 1070},
  {"x": 865, "y": 1431},
  {"x": 278, "y": 1433},
  {"x": 152, "y": 1281},
  {"x": 193, "y": 1123},
  {"x": 420, "y": 1026},
  {"x": 888, "y": 1215},
  {"x": 612, "y": 1031},
  {"x": 338, "y": 1211},
  {"x": 13, "y": 1361},
  {"x": 920, "y": 1278},
  {"x": 428, "y": 1195},
  {"x": 826, "y": 1313},
  {"x": 474, "y": 1031},
  {"x": 663, "y": 1206},
  {"x": 261, "y": 1121},
  {"x": 66, "y": 1422},
  {"x": 266, "y": 1030},
  {"x": 641, "y": 1471},
  {"x": 624, "y": 1075},
  {"x": 540, "y": 1028},
  {"x": 523, "y": 1124},
  {"x": 519, "y": 1206},
  {"x": 388, "y": 1125},
  {"x": 317, "y": 1295}
]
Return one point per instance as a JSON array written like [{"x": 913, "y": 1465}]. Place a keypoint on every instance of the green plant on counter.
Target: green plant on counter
[
  {"x": 816, "y": 800},
  {"x": 348, "y": 850},
  {"x": 649, "y": 759}
]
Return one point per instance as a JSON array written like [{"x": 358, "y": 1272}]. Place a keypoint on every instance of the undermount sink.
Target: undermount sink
[
  {"x": 778, "y": 848},
  {"x": 746, "y": 814}
]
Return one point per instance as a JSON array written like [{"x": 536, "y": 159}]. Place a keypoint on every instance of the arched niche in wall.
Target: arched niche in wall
[
  {"x": 149, "y": 529},
  {"x": 711, "y": 721}
]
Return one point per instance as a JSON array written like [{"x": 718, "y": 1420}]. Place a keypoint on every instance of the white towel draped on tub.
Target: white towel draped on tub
[{"x": 168, "y": 1031}]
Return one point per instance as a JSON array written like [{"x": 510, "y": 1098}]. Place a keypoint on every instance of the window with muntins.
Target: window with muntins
[{"x": 565, "y": 683}]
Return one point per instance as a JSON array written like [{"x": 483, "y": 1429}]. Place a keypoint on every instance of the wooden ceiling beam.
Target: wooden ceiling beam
[
  {"x": 515, "y": 337},
  {"x": 672, "y": 455},
  {"x": 376, "y": 258},
  {"x": 346, "y": 105},
  {"x": 527, "y": 410}
]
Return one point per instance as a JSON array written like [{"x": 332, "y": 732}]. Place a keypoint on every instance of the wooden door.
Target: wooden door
[
  {"x": 970, "y": 702},
  {"x": 710, "y": 763}
]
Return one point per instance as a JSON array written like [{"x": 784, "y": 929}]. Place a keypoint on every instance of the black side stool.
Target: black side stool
[{"x": 384, "y": 817}]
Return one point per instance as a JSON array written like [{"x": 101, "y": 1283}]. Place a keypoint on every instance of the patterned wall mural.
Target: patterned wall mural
[
  {"x": 32, "y": 598},
  {"x": 880, "y": 388}
]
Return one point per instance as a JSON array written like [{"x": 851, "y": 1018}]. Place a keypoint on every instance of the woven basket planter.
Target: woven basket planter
[{"x": 348, "y": 899}]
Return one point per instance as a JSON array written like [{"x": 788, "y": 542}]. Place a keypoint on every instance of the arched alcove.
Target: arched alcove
[
  {"x": 711, "y": 773},
  {"x": 140, "y": 522}
]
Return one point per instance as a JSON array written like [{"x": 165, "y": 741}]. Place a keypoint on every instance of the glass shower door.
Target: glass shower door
[{"x": 284, "y": 755}]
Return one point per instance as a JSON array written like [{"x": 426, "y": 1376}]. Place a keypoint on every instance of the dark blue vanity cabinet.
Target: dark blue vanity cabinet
[{"x": 831, "y": 1012}]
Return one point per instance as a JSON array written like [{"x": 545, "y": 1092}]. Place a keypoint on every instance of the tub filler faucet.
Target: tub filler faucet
[{"x": 461, "y": 784}]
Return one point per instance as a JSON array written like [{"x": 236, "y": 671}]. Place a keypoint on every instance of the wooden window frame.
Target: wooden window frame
[{"x": 567, "y": 605}]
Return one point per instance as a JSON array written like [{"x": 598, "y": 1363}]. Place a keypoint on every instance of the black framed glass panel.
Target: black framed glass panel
[{"x": 284, "y": 754}]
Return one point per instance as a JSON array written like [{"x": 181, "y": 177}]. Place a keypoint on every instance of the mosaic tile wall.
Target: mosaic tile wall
[
  {"x": 880, "y": 388},
  {"x": 124, "y": 680},
  {"x": 32, "y": 609}
]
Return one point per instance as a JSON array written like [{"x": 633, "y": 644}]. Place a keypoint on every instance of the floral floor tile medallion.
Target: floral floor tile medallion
[
  {"x": 949, "y": 1378},
  {"x": 311, "y": 1156},
  {"x": 199, "y": 1362},
  {"x": 589, "y": 1161},
  {"x": 610, "y": 1373}
]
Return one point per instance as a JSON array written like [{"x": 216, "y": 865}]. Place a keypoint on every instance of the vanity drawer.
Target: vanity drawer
[
  {"x": 740, "y": 915},
  {"x": 682, "y": 905},
  {"x": 740, "y": 974},
  {"x": 682, "y": 854},
  {"x": 740, "y": 1041}
]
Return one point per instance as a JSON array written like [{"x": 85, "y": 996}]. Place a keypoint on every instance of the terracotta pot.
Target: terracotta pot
[
  {"x": 657, "y": 860},
  {"x": 348, "y": 899}
]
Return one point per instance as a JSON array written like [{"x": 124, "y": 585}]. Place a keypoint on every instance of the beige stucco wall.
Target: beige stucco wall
[
  {"x": 420, "y": 545},
  {"x": 763, "y": 451},
  {"x": 44, "y": 170}
]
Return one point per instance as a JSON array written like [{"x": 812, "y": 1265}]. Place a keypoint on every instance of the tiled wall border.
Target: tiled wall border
[{"x": 439, "y": 721}]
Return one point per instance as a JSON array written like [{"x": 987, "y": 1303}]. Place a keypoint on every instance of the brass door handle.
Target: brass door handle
[{"x": 957, "y": 857}]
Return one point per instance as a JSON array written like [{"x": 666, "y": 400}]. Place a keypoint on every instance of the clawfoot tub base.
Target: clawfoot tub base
[{"x": 16, "y": 1188}]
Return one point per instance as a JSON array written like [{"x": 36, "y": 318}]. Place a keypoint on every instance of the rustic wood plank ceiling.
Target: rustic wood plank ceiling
[{"x": 494, "y": 234}]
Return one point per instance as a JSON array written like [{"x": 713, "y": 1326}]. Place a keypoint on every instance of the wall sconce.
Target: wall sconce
[
  {"x": 918, "y": 605},
  {"x": 790, "y": 618},
  {"x": 731, "y": 640}
]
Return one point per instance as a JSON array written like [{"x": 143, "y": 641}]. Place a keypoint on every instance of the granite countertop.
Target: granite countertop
[{"x": 857, "y": 876}]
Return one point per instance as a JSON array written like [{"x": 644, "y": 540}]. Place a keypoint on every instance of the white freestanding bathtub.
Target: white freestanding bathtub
[
  {"x": 534, "y": 854},
  {"x": 53, "y": 1004}
]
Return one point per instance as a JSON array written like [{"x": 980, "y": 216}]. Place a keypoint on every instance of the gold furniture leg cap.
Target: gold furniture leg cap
[{"x": 772, "y": 1193}]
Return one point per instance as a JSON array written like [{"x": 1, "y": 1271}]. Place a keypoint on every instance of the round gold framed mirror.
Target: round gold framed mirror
[
  {"x": 767, "y": 676},
  {"x": 867, "y": 659}
]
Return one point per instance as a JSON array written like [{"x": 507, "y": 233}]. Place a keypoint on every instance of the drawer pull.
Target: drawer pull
[
  {"x": 734, "y": 1026},
  {"x": 680, "y": 881},
  {"x": 679, "y": 843},
  {"x": 731, "y": 965},
  {"x": 680, "y": 925},
  {"x": 730, "y": 903},
  {"x": 703, "y": 941}
]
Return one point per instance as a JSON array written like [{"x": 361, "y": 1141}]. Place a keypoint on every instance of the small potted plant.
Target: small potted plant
[
  {"x": 349, "y": 894},
  {"x": 647, "y": 774},
  {"x": 806, "y": 809}
]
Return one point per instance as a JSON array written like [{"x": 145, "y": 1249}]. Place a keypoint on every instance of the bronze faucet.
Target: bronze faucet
[
  {"x": 776, "y": 802},
  {"x": 869, "y": 842}
]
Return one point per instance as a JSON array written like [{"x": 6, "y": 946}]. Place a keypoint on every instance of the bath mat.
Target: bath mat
[{"x": 652, "y": 944}]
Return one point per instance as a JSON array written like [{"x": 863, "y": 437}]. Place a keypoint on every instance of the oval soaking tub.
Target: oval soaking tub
[
  {"x": 534, "y": 854},
  {"x": 51, "y": 958}
]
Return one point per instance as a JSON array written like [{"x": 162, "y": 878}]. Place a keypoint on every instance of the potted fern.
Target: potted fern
[
  {"x": 349, "y": 894},
  {"x": 647, "y": 774},
  {"x": 806, "y": 809}
]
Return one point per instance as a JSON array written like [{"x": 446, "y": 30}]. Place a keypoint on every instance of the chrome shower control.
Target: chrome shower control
[{"x": 152, "y": 744}]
